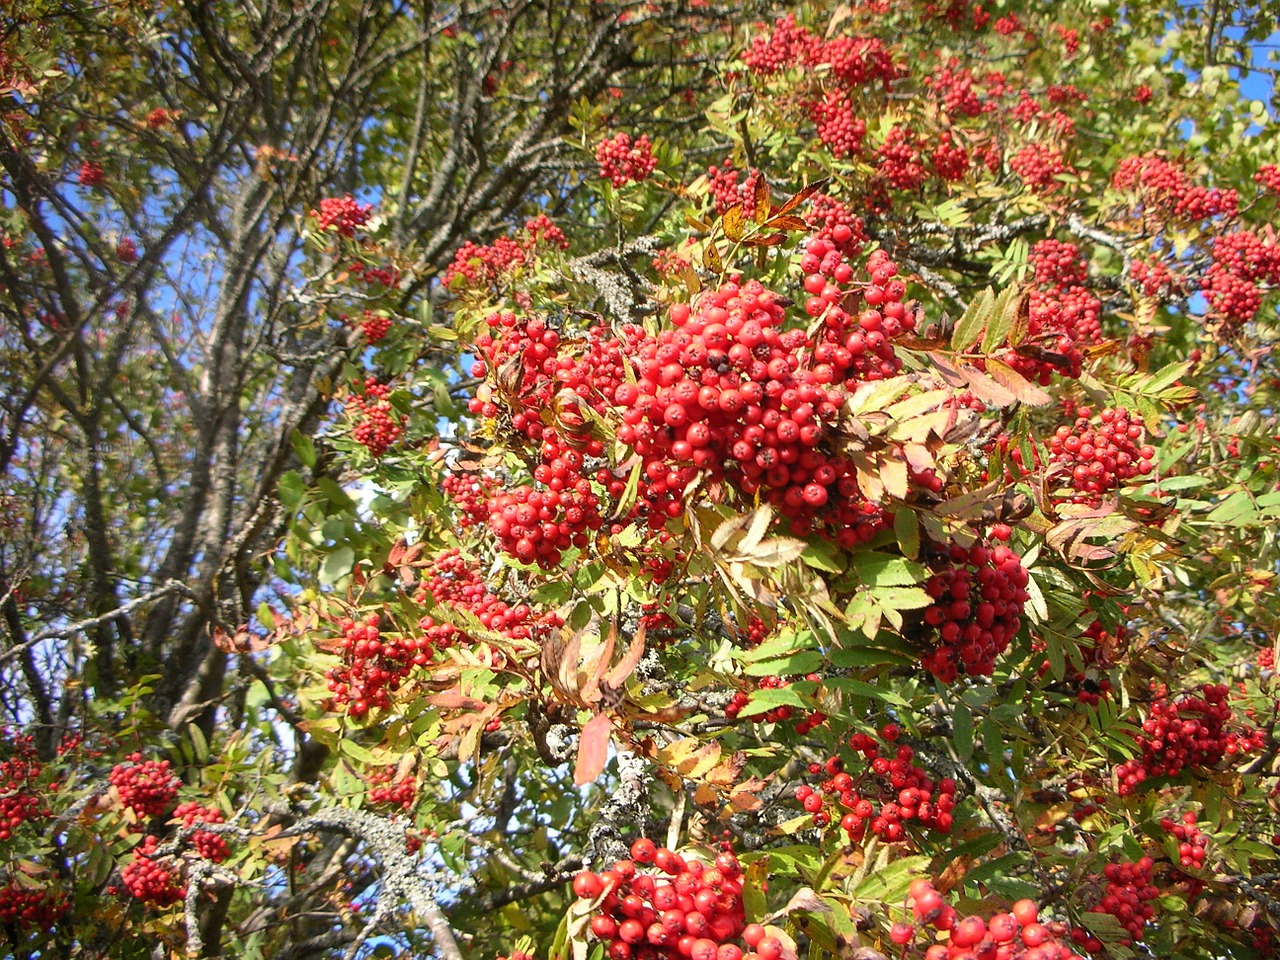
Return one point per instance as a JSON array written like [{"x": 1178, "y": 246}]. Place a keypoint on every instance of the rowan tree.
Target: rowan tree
[{"x": 639, "y": 480}]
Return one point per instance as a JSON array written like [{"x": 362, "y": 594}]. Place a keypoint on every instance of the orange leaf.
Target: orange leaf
[
  {"x": 804, "y": 194},
  {"x": 733, "y": 224},
  {"x": 763, "y": 199},
  {"x": 593, "y": 749}
]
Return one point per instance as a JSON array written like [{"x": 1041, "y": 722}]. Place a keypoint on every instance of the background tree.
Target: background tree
[{"x": 446, "y": 448}]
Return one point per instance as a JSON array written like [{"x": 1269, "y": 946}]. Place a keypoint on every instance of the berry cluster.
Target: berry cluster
[
  {"x": 488, "y": 265},
  {"x": 403, "y": 793},
  {"x": 1064, "y": 314},
  {"x": 470, "y": 493},
  {"x": 537, "y": 526},
  {"x": 727, "y": 391},
  {"x": 838, "y": 127},
  {"x": 950, "y": 161},
  {"x": 91, "y": 174},
  {"x": 32, "y": 907},
  {"x": 373, "y": 664},
  {"x": 726, "y": 191},
  {"x": 212, "y": 846},
  {"x": 1167, "y": 191},
  {"x": 344, "y": 214},
  {"x": 452, "y": 580},
  {"x": 1039, "y": 165},
  {"x": 1268, "y": 177},
  {"x": 127, "y": 250},
  {"x": 378, "y": 425},
  {"x": 145, "y": 787},
  {"x": 810, "y": 721},
  {"x": 1016, "y": 935},
  {"x": 1154, "y": 278},
  {"x": 374, "y": 326},
  {"x": 1094, "y": 457},
  {"x": 900, "y": 160},
  {"x": 853, "y": 61},
  {"x": 622, "y": 161},
  {"x": 19, "y": 794},
  {"x": 1188, "y": 732},
  {"x": 696, "y": 914},
  {"x": 978, "y": 596},
  {"x": 891, "y": 793},
  {"x": 1127, "y": 897},
  {"x": 160, "y": 117},
  {"x": 955, "y": 84},
  {"x": 1241, "y": 262},
  {"x": 1191, "y": 840},
  {"x": 835, "y": 224},
  {"x": 150, "y": 881}
]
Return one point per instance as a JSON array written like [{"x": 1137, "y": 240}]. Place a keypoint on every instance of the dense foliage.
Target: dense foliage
[{"x": 639, "y": 480}]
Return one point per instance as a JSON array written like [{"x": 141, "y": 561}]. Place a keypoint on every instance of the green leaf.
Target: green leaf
[
  {"x": 970, "y": 326},
  {"x": 962, "y": 730},
  {"x": 304, "y": 447},
  {"x": 337, "y": 565}
]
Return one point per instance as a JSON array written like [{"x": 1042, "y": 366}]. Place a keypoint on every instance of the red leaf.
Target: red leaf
[{"x": 593, "y": 749}]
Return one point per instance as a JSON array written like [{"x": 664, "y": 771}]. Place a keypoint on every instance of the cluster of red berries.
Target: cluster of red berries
[
  {"x": 1127, "y": 897},
  {"x": 160, "y": 117},
  {"x": 954, "y": 85},
  {"x": 900, "y": 160},
  {"x": 373, "y": 664},
  {"x": 149, "y": 880},
  {"x": 127, "y": 250},
  {"x": 374, "y": 326},
  {"x": 1063, "y": 314},
  {"x": 527, "y": 353},
  {"x": 622, "y": 161},
  {"x": 91, "y": 174},
  {"x": 402, "y": 793},
  {"x": 1242, "y": 261},
  {"x": 1016, "y": 935},
  {"x": 470, "y": 493},
  {"x": 978, "y": 595},
  {"x": 727, "y": 391},
  {"x": 488, "y": 265},
  {"x": 891, "y": 793},
  {"x": 950, "y": 161},
  {"x": 20, "y": 799},
  {"x": 344, "y": 214},
  {"x": 688, "y": 910},
  {"x": 1191, "y": 840},
  {"x": 378, "y": 425},
  {"x": 853, "y": 61},
  {"x": 536, "y": 526},
  {"x": 810, "y": 721},
  {"x": 1039, "y": 165},
  {"x": 1094, "y": 457},
  {"x": 212, "y": 846},
  {"x": 32, "y": 907},
  {"x": 1167, "y": 190},
  {"x": 835, "y": 224},
  {"x": 1154, "y": 278},
  {"x": 1268, "y": 177},
  {"x": 726, "y": 191},
  {"x": 839, "y": 128},
  {"x": 1188, "y": 732},
  {"x": 146, "y": 787},
  {"x": 453, "y": 581}
]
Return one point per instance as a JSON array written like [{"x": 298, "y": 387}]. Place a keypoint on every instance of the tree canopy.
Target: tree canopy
[{"x": 645, "y": 481}]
